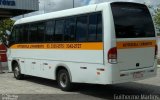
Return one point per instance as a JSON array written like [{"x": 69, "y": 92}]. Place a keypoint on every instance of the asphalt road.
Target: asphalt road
[{"x": 34, "y": 88}]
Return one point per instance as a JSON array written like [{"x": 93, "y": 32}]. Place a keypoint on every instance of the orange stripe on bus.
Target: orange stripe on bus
[
  {"x": 136, "y": 44},
  {"x": 61, "y": 46}
]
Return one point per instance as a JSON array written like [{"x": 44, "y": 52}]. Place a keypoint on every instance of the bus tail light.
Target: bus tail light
[
  {"x": 3, "y": 55},
  {"x": 112, "y": 55},
  {"x": 156, "y": 51}
]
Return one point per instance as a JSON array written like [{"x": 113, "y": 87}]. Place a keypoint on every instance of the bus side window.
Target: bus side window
[
  {"x": 81, "y": 29},
  {"x": 70, "y": 26},
  {"x": 25, "y": 33},
  {"x": 33, "y": 32},
  {"x": 49, "y": 31},
  {"x": 99, "y": 28},
  {"x": 92, "y": 31},
  {"x": 17, "y": 34},
  {"x": 21, "y": 35},
  {"x": 40, "y": 31},
  {"x": 12, "y": 38},
  {"x": 59, "y": 30}
]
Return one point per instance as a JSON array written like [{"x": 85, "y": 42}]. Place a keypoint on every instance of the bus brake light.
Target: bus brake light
[
  {"x": 112, "y": 55},
  {"x": 3, "y": 55}
]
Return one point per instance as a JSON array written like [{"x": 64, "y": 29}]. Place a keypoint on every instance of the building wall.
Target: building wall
[{"x": 20, "y": 4}]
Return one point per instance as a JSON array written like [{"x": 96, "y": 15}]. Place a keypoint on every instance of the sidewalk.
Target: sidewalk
[{"x": 3, "y": 67}]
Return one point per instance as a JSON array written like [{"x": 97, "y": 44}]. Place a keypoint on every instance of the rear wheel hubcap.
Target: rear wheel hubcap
[
  {"x": 63, "y": 79},
  {"x": 16, "y": 71}
]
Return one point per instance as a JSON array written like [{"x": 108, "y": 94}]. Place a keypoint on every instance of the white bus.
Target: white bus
[{"x": 105, "y": 43}]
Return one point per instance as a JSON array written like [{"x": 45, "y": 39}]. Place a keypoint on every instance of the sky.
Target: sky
[
  {"x": 46, "y": 6},
  {"x": 54, "y": 5}
]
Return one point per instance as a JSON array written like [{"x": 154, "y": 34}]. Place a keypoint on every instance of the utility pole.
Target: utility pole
[
  {"x": 44, "y": 7},
  {"x": 73, "y": 3}
]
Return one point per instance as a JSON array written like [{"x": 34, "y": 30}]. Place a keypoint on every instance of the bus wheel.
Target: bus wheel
[
  {"x": 63, "y": 80},
  {"x": 17, "y": 72}
]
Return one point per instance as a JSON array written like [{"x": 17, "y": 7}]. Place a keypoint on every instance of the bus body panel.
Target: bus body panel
[
  {"x": 136, "y": 58},
  {"x": 75, "y": 69},
  {"x": 79, "y": 56},
  {"x": 91, "y": 65},
  {"x": 135, "y": 44},
  {"x": 129, "y": 74},
  {"x": 33, "y": 64}
]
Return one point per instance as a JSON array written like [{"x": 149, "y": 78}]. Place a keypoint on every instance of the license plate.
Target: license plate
[{"x": 138, "y": 75}]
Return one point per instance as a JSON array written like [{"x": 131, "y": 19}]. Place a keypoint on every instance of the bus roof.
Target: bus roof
[
  {"x": 67, "y": 12},
  {"x": 63, "y": 13}
]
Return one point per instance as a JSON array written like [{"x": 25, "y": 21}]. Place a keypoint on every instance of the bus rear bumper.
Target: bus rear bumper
[{"x": 135, "y": 75}]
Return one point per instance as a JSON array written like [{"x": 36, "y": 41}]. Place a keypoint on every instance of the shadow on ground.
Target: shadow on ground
[
  {"x": 107, "y": 91},
  {"x": 42, "y": 81}
]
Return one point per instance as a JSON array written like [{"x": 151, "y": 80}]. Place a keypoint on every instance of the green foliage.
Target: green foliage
[
  {"x": 157, "y": 19},
  {"x": 5, "y": 25}
]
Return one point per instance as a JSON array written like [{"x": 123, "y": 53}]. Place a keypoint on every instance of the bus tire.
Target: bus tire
[
  {"x": 63, "y": 80},
  {"x": 17, "y": 72}
]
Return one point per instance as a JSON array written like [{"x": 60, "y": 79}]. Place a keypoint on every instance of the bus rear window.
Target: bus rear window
[{"x": 132, "y": 20}]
